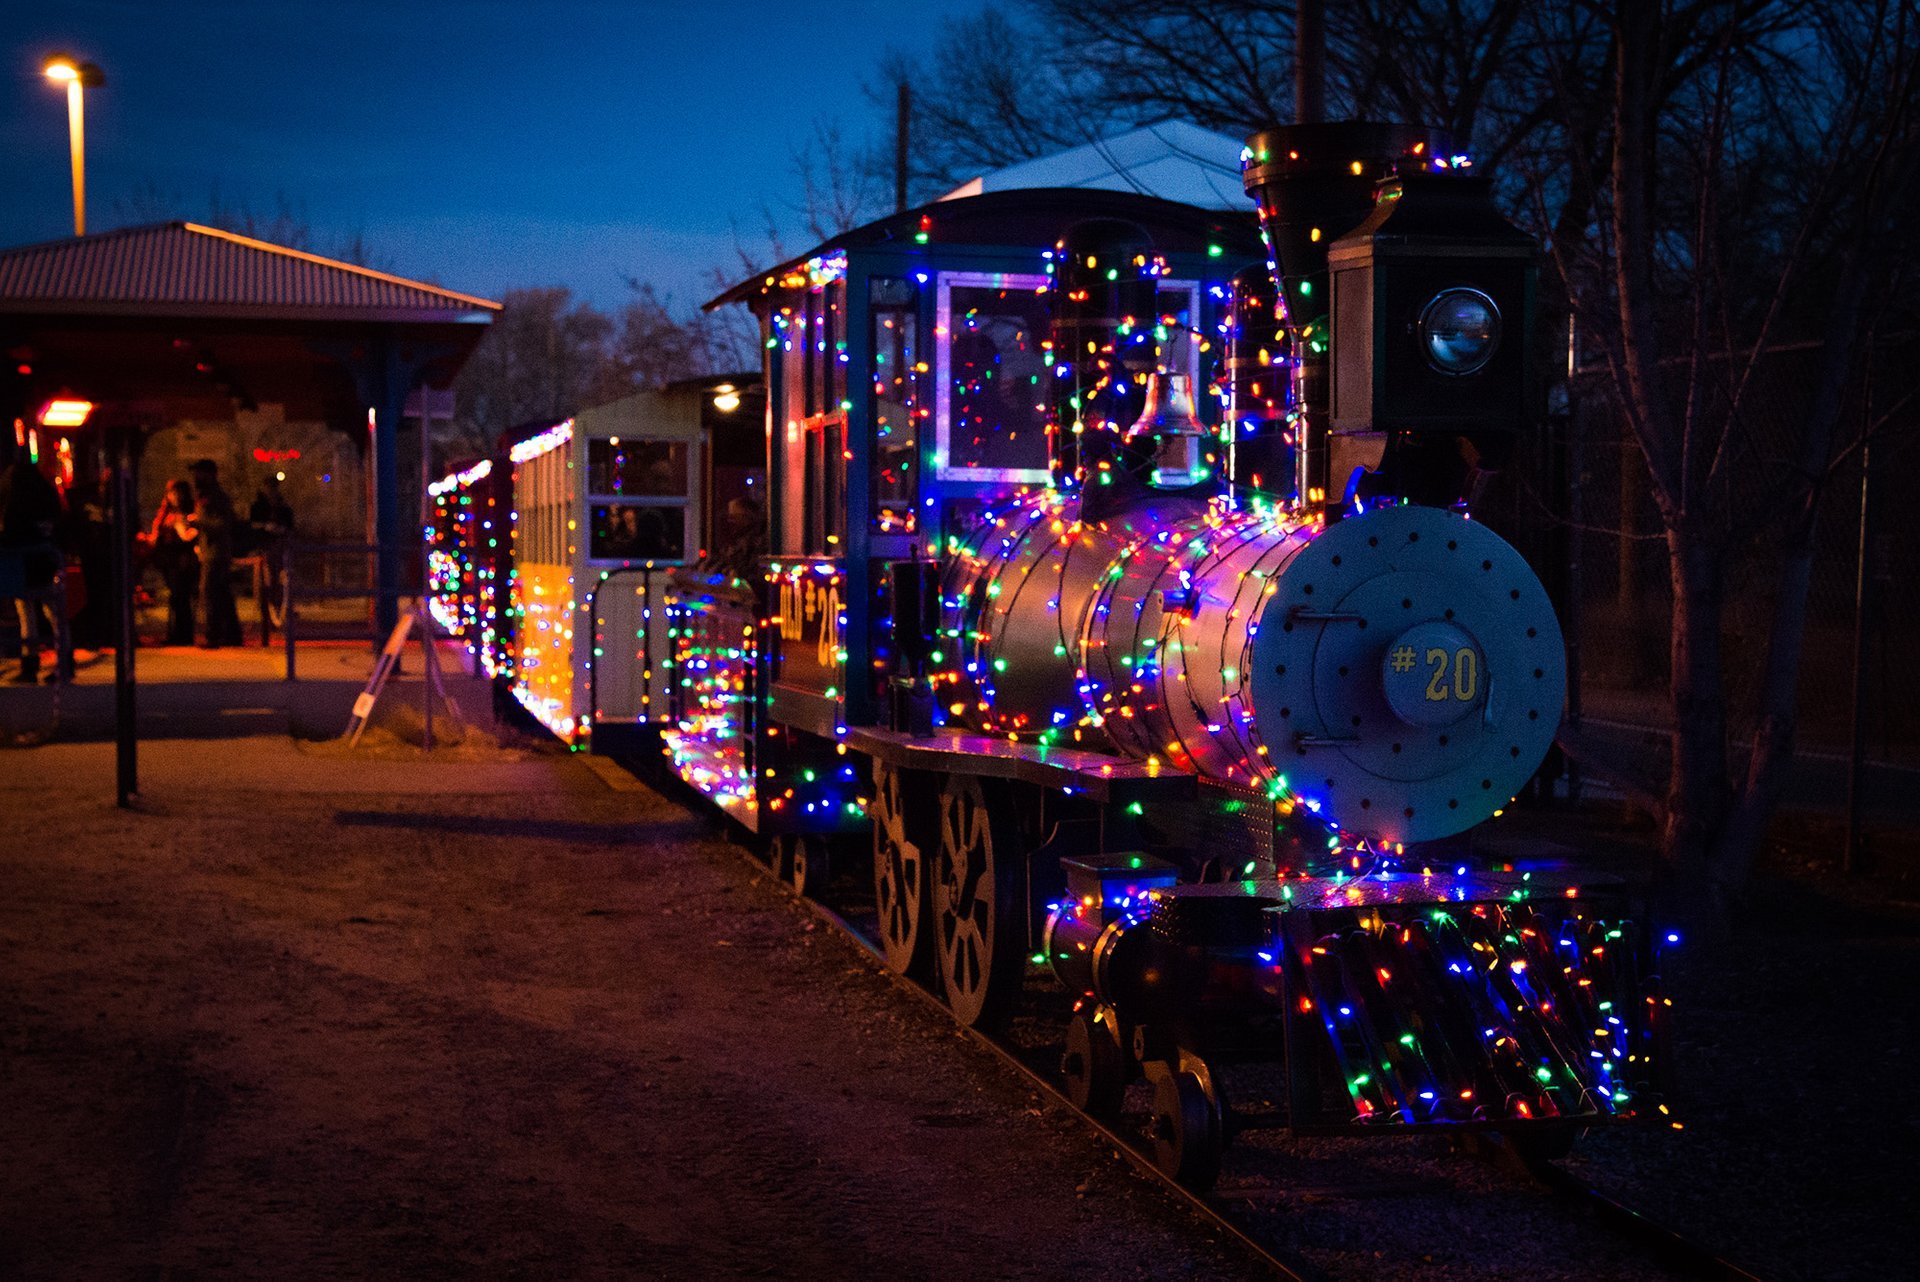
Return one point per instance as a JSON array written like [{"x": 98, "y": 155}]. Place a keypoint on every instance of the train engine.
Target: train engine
[{"x": 1172, "y": 658}]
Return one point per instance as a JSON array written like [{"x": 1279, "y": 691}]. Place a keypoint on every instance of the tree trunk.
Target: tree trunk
[
  {"x": 1773, "y": 739},
  {"x": 1697, "y": 791}
]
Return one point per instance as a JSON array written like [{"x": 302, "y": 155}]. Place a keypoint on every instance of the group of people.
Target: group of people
[
  {"x": 191, "y": 543},
  {"x": 31, "y": 516}
]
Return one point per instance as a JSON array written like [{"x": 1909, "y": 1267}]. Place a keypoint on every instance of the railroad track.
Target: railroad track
[
  {"x": 1660, "y": 1243},
  {"x": 1269, "y": 1256}
]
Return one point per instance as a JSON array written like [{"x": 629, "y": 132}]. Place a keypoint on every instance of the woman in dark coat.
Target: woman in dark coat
[
  {"x": 213, "y": 529},
  {"x": 172, "y": 552}
]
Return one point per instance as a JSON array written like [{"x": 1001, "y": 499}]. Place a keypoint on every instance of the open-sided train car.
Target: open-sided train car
[
  {"x": 549, "y": 560},
  {"x": 1122, "y": 598},
  {"x": 469, "y": 536}
]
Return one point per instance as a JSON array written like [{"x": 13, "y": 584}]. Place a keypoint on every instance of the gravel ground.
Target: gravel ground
[
  {"x": 367, "y": 1015},
  {"x": 545, "y": 1030}
]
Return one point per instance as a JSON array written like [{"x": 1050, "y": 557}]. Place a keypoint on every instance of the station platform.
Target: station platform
[{"x": 187, "y": 692}]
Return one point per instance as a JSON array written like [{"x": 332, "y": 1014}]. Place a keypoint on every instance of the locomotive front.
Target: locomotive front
[{"x": 1347, "y": 654}]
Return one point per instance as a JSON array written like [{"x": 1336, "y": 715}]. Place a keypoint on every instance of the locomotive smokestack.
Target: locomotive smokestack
[{"x": 1309, "y": 62}]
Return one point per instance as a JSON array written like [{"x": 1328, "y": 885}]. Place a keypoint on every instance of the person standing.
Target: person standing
[
  {"x": 29, "y": 519},
  {"x": 170, "y": 546},
  {"x": 271, "y": 520},
  {"x": 212, "y": 530}
]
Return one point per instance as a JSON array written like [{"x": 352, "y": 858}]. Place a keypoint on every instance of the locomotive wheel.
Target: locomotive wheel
[
  {"x": 810, "y": 866},
  {"x": 1186, "y": 1127},
  {"x": 780, "y": 855},
  {"x": 1094, "y": 1065},
  {"x": 900, "y": 871},
  {"x": 976, "y": 905}
]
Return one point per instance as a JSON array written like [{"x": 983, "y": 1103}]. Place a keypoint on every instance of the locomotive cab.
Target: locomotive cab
[{"x": 914, "y": 379}]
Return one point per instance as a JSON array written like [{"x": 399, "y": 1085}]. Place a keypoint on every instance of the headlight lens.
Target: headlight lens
[{"x": 1460, "y": 328}]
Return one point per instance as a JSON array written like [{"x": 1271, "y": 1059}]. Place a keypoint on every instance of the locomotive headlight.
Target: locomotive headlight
[{"x": 1460, "y": 330}]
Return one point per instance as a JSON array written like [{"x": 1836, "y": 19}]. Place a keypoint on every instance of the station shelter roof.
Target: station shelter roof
[
  {"x": 186, "y": 320},
  {"x": 173, "y": 322}
]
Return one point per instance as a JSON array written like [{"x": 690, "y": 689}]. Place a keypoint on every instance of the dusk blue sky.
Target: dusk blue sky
[{"x": 482, "y": 144}]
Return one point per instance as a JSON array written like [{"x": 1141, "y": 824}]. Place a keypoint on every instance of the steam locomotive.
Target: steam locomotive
[{"x": 1122, "y": 598}]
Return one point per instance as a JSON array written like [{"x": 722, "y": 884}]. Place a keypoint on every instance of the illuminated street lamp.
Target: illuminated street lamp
[{"x": 62, "y": 69}]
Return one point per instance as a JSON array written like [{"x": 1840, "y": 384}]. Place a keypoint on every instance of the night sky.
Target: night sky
[{"x": 483, "y": 145}]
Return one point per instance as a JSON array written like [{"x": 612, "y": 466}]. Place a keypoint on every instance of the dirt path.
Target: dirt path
[{"x": 557, "y": 1032}]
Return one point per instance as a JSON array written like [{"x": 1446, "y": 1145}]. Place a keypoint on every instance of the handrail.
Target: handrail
[{"x": 291, "y": 592}]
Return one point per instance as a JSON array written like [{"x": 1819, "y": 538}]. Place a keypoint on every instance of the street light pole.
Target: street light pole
[{"x": 77, "y": 76}]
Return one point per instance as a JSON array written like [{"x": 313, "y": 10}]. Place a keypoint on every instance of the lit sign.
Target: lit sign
[
  {"x": 65, "y": 413},
  {"x": 275, "y": 456}
]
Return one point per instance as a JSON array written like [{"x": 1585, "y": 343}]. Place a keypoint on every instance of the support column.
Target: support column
[
  {"x": 126, "y": 736},
  {"x": 391, "y": 382}
]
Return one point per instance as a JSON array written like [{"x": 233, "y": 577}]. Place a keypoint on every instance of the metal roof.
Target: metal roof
[
  {"x": 1171, "y": 159},
  {"x": 1022, "y": 216},
  {"x": 184, "y": 269}
]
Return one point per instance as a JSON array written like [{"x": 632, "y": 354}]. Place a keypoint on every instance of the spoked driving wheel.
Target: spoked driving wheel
[
  {"x": 976, "y": 904},
  {"x": 903, "y": 840}
]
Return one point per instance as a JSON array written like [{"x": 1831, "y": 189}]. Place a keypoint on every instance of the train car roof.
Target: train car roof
[{"x": 1036, "y": 216}]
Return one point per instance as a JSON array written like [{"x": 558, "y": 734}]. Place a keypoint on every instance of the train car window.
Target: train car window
[
  {"x": 831, "y": 347},
  {"x": 895, "y": 343},
  {"x": 793, "y": 363},
  {"x": 1178, "y": 301},
  {"x": 637, "y": 532},
  {"x": 990, "y": 419},
  {"x": 637, "y": 468},
  {"x": 812, "y": 353},
  {"x": 824, "y": 485},
  {"x": 791, "y": 450}
]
